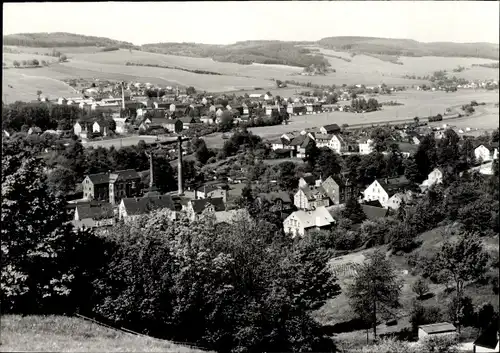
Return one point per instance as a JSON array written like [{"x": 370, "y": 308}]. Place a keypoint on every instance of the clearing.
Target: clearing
[{"x": 70, "y": 334}]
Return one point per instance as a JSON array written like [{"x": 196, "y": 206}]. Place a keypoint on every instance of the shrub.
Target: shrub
[
  {"x": 422, "y": 315},
  {"x": 420, "y": 287},
  {"x": 441, "y": 344}
]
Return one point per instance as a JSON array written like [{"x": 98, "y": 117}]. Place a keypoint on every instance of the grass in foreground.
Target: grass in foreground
[{"x": 69, "y": 334}]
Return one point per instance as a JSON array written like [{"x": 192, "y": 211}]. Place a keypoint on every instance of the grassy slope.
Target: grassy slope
[
  {"x": 66, "y": 334},
  {"x": 338, "y": 310}
]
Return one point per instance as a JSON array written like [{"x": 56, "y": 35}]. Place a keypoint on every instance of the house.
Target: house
[
  {"x": 439, "y": 329},
  {"x": 323, "y": 140},
  {"x": 93, "y": 215},
  {"x": 280, "y": 201},
  {"x": 306, "y": 198},
  {"x": 296, "y": 109},
  {"x": 365, "y": 146},
  {"x": 101, "y": 127},
  {"x": 488, "y": 340},
  {"x": 80, "y": 126},
  {"x": 397, "y": 199},
  {"x": 373, "y": 212},
  {"x": 123, "y": 184},
  {"x": 174, "y": 125},
  {"x": 211, "y": 191},
  {"x": 132, "y": 208},
  {"x": 308, "y": 180},
  {"x": 96, "y": 187},
  {"x": 246, "y": 109},
  {"x": 270, "y": 109},
  {"x": 195, "y": 208},
  {"x": 434, "y": 177},
  {"x": 339, "y": 145},
  {"x": 121, "y": 125},
  {"x": 338, "y": 190},
  {"x": 314, "y": 108},
  {"x": 301, "y": 222},
  {"x": 486, "y": 153},
  {"x": 215, "y": 107},
  {"x": 300, "y": 144},
  {"x": 330, "y": 129},
  {"x": 256, "y": 95},
  {"x": 34, "y": 130},
  {"x": 268, "y": 96},
  {"x": 383, "y": 189},
  {"x": 187, "y": 122},
  {"x": 207, "y": 120}
]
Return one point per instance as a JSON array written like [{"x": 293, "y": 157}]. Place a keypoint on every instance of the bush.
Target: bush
[
  {"x": 423, "y": 315},
  {"x": 441, "y": 344},
  {"x": 420, "y": 287},
  {"x": 461, "y": 311}
]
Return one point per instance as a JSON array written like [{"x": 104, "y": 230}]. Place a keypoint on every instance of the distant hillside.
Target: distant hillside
[
  {"x": 262, "y": 52},
  {"x": 61, "y": 39},
  {"x": 408, "y": 47}
]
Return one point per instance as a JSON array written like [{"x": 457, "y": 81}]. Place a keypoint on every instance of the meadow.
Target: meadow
[
  {"x": 92, "y": 62},
  {"x": 70, "y": 334}
]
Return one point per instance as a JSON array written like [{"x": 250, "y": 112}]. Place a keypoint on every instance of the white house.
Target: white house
[
  {"x": 132, "y": 208},
  {"x": 121, "y": 125},
  {"x": 100, "y": 127},
  {"x": 486, "y": 153},
  {"x": 94, "y": 215},
  {"x": 397, "y": 199},
  {"x": 365, "y": 146},
  {"x": 439, "y": 329},
  {"x": 300, "y": 222},
  {"x": 383, "y": 189},
  {"x": 482, "y": 153},
  {"x": 434, "y": 177},
  {"x": 323, "y": 140},
  {"x": 307, "y": 199}
]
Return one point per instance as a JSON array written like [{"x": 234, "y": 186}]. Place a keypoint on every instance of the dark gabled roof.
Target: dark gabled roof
[
  {"x": 99, "y": 178},
  {"x": 298, "y": 140},
  {"x": 127, "y": 174},
  {"x": 208, "y": 188},
  {"x": 200, "y": 204},
  {"x": 276, "y": 195},
  {"x": 374, "y": 203},
  {"x": 309, "y": 179},
  {"x": 373, "y": 212},
  {"x": 172, "y": 121},
  {"x": 332, "y": 127},
  {"x": 489, "y": 338},
  {"x": 393, "y": 185},
  {"x": 95, "y": 211},
  {"x": 142, "y": 205},
  {"x": 438, "y": 328},
  {"x": 187, "y": 120}
]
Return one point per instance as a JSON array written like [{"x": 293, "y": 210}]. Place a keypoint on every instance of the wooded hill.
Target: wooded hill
[
  {"x": 61, "y": 39},
  {"x": 409, "y": 47}
]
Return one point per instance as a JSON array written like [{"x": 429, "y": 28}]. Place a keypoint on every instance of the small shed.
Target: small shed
[{"x": 438, "y": 329}]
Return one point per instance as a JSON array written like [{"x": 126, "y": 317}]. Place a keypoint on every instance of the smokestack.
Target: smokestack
[
  {"x": 123, "y": 97},
  {"x": 151, "y": 177},
  {"x": 179, "y": 167}
]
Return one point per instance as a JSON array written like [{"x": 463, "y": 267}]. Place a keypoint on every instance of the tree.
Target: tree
[
  {"x": 226, "y": 121},
  {"x": 353, "y": 211},
  {"x": 38, "y": 93},
  {"x": 461, "y": 311},
  {"x": 411, "y": 170},
  {"x": 328, "y": 163},
  {"x": 35, "y": 62},
  {"x": 190, "y": 91},
  {"x": 423, "y": 315},
  {"x": 287, "y": 179},
  {"x": 222, "y": 287},
  {"x": 420, "y": 287},
  {"x": 462, "y": 261},
  {"x": 63, "y": 58},
  {"x": 16, "y": 63},
  {"x": 375, "y": 290},
  {"x": 62, "y": 180},
  {"x": 201, "y": 151},
  {"x": 36, "y": 240}
]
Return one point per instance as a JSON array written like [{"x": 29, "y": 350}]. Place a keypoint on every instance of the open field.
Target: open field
[
  {"x": 127, "y": 141},
  {"x": 22, "y": 84},
  {"x": 9, "y": 58},
  {"x": 69, "y": 334}
]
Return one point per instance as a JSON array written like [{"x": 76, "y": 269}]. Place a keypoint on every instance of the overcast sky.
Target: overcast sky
[{"x": 229, "y": 22}]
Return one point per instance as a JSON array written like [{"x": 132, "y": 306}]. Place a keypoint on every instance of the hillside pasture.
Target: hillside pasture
[
  {"x": 9, "y": 58},
  {"x": 64, "y": 50},
  {"x": 71, "y": 334},
  {"x": 22, "y": 85}
]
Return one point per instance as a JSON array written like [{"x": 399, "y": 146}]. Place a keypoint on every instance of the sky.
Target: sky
[{"x": 229, "y": 22}]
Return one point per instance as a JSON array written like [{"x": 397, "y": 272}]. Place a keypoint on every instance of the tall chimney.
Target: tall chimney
[
  {"x": 151, "y": 176},
  {"x": 123, "y": 97},
  {"x": 179, "y": 167}
]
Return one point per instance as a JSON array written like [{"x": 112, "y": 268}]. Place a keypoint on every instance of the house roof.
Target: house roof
[
  {"x": 187, "y": 120},
  {"x": 438, "y": 328},
  {"x": 489, "y": 338},
  {"x": 141, "y": 205},
  {"x": 276, "y": 195},
  {"x": 319, "y": 217},
  {"x": 99, "y": 178},
  {"x": 393, "y": 185},
  {"x": 373, "y": 212},
  {"x": 101, "y": 210},
  {"x": 323, "y": 137},
  {"x": 172, "y": 121},
  {"x": 126, "y": 174},
  {"x": 229, "y": 216},
  {"x": 298, "y": 140},
  {"x": 331, "y": 127},
  {"x": 309, "y": 179},
  {"x": 200, "y": 204},
  {"x": 375, "y": 203}
]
